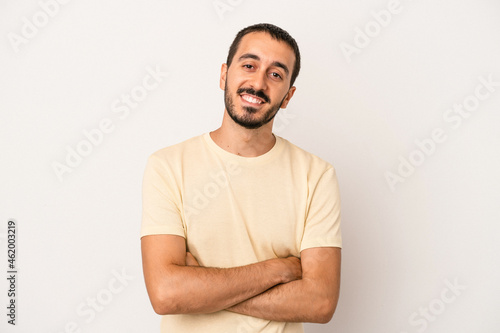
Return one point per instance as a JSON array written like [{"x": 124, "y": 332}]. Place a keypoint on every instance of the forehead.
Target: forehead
[{"x": 266, "y": 48}]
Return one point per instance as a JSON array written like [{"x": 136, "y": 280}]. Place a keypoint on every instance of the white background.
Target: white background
[{"x": 403, "y": 245}]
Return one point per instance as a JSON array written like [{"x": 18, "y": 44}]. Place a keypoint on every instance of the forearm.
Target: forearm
[
  {"x": 189, "y": 289},
  {"x": 296, "y": 301}
]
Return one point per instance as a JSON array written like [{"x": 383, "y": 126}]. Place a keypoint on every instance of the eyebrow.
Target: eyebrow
[{"x": 256, "y": 57}]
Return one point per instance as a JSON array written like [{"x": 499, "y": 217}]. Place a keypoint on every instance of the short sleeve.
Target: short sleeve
[
  {"x": 161, "y": 208},
  {"x": 322, "y": 225}
]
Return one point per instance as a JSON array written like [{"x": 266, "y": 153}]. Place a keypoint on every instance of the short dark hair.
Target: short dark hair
[{"x": 276, "y": 33}]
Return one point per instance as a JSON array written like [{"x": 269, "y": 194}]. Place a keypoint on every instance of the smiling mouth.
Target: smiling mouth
[{"x": 252, "y": 99}]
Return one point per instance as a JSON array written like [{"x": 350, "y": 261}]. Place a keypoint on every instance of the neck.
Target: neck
[{"x": 242, "y": 141}]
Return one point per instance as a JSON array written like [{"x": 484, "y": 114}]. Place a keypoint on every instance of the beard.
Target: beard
[{"x": 247, "y": 119}]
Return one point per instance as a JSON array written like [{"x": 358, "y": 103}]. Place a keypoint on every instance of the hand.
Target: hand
[
  {"x": 293, "y": 269},
  {"x": 191, "y": 260}
]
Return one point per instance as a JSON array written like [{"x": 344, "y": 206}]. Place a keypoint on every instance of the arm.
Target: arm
[
  {"x": 312, "y": 299},
  {"x": 175, "y": 288}
]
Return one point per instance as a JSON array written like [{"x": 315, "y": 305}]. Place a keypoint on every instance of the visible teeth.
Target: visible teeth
[{"x": 251, "y": 99}]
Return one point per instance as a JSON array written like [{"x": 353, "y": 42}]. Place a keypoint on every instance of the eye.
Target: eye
[
  {"x": 248, "y": 66},
  {"x": 276, "y": 75}
]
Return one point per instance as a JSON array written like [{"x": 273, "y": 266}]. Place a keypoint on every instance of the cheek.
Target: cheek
[{"x": 280, "y": 97}]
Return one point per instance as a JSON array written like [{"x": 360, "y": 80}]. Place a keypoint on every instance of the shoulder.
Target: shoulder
[
  {"x": 299, "y": 155},
  {"x": 178, "y": 149},
  {"x": 171, "y": 159}
]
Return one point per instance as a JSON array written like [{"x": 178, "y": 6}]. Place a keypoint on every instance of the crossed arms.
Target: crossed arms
[{"x": 281, "y": 289}]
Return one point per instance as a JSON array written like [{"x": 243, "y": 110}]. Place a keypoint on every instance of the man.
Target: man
[{"x": 228, "y": 214}]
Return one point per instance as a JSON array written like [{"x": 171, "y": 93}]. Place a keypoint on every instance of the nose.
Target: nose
[{"x": 259, "y": 81}]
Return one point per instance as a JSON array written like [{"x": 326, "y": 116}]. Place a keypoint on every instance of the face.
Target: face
[{"x": 257, "y": 84}]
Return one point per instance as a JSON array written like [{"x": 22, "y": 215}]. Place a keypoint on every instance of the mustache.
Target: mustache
[{"x": 252, "y": 91}]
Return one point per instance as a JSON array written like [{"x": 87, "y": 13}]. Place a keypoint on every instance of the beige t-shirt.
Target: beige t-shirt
[{"x": 234, "y": 210}]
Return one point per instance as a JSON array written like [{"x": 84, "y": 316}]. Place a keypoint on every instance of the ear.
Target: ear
[
  {"x": 288, "y": 96},
  {"x": 223, "y": 74}
]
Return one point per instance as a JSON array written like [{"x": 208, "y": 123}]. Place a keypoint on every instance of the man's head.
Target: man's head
[
  {"x": 276, "y": 33},
  {"x": 257, "y": 80}
]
